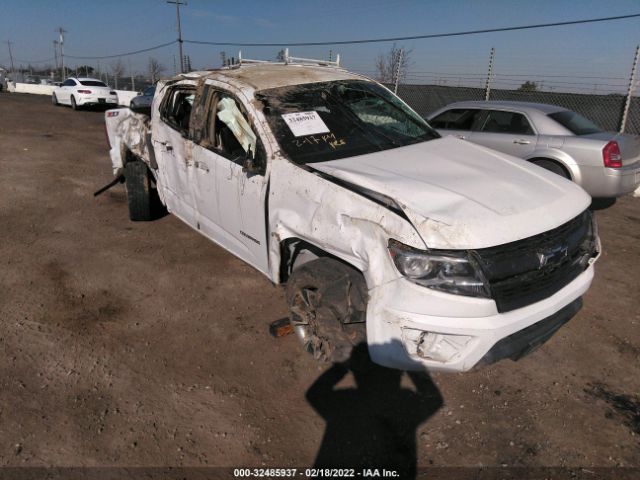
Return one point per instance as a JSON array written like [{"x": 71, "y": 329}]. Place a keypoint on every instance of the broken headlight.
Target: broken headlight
[{"x": 446, "y": 271}]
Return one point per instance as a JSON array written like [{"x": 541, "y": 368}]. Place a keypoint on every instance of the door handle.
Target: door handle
[
  {"x": 202, "y": 166},
  {"x": 522, "y": 142},
  {"x": 461, "y": 137},
  {"x": 166, "y": 145}
]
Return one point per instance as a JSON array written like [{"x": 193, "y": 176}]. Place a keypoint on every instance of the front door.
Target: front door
[
  {"x": 458, "y": 122},
  {"x": 230, "y": 202}
]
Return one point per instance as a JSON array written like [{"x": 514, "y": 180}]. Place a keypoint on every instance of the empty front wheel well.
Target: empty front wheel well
[{"x": 295, "y": 252}]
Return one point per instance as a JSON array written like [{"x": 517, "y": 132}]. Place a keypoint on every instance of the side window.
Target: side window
[
  {"x": 456, "y": 119},
  {"x": 176, "y": 109},
  {"x": 234, "y": 136},
  {"x": 69, "y": 83},
  {"x": 201, "y": 126},
  {"x": 498, "y": 121}
]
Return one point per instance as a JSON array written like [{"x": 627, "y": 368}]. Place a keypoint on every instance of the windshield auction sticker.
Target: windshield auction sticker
[{"x": 305, "y": 123}]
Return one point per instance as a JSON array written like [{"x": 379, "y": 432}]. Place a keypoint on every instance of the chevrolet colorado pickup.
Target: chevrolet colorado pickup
[{"x": 440, "y": 254}]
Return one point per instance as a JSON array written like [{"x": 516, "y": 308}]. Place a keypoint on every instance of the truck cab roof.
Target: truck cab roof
[{"x": 262, "y": 76}]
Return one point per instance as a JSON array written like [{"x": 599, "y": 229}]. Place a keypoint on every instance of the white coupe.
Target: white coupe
[{"x": 80, "y": 92}]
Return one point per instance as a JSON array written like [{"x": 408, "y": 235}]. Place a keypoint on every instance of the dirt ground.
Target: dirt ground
[{"x": 144, "y": 344}]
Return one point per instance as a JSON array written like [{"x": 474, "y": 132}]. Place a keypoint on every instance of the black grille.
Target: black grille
[{"x": 526, "y": 271}]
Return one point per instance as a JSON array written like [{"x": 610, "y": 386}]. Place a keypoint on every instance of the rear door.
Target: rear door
[
  {"x": 506, "y": 131},
  {"x": 173, "y": 148},
  {"x": 458, "y": 122}
]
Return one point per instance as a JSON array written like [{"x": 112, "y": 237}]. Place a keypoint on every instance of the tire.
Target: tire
[
  {"x": 74, "y": 105},
  {"x": 327, "y": 306},
  {"x": 553, "y": 167},
  {"x": 138, "y": 185},
  {"x": 54, "y": 100}
]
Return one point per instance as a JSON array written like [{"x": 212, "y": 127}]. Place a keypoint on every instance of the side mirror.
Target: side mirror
[{"x": 250, "y": 164}]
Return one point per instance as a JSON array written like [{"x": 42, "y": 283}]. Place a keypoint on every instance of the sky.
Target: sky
[{"x": 590, "y": 57}]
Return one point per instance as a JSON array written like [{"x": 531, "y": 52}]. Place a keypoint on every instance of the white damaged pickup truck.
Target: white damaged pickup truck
[{"x": 438, "y": 253}]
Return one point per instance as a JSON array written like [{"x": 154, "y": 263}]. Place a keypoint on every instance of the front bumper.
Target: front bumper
[{"x": 403, "y": 320}]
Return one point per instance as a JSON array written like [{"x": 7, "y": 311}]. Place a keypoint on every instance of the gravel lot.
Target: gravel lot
[{"x": 144, "y": 344}]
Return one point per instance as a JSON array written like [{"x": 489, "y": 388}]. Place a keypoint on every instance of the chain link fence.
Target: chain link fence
[{"x": 600, "y": 99}]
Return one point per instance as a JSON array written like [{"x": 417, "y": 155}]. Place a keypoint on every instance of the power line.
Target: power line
[
  {"x": 415, "y": 37},
  {"x": 156, "y": 47}
]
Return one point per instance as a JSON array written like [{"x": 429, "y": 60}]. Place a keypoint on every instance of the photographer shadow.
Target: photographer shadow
[{"x": 374, "y": 424}]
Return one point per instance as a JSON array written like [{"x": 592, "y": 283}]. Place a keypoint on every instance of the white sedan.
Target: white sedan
[{"x": 79, "y": 92}]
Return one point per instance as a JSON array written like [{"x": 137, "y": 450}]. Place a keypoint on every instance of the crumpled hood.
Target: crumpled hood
[{"x": 459, "y": 195}]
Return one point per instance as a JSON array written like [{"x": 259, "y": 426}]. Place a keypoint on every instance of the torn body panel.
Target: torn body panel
[{"x": 128, "y": 131}]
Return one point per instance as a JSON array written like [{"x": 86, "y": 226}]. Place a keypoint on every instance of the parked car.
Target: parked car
[
  {"x": 143, "y": 101},
  {"x": 605, "y": 164},
  {"x": 80, "y": 92},
  {"x": 440, "y": 254}
]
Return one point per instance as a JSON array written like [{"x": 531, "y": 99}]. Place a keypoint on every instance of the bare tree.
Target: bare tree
[
  {"x": 387, "y": 64},
  {"x": 155, "y": 69},
  {"x": 117, "y": 69}
]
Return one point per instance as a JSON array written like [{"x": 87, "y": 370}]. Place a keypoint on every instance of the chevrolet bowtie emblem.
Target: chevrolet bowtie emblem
[{"x": 553, "y": 254}]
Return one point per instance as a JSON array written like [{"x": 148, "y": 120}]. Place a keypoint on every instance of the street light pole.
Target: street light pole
[{"x": 178, "y": 3}]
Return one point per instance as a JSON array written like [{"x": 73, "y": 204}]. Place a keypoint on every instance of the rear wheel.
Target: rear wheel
[
  {"x": 553, "y": 167},
  {"x": 54, "y": 100},
  {"x": 138, "y": 185},
  {"x": 74, "y": 105},
  {"x": 327, "y": 305}
]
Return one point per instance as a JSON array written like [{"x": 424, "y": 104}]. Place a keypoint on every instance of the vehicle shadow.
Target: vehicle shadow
[
  {"x": 374, "y": 424},
  {"x": 158, "y": 210},
  {"x": 602, "y": 203}
]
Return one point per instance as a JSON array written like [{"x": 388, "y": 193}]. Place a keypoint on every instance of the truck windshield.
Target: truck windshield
[{"x": 326, "y": 121}]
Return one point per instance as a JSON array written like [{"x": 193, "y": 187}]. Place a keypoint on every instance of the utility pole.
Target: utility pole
[
  {"x": 489, "y": 75},
  {"x": 55, "y": 52},
  {"x": 178, "y": 3},
  {"x": 133, "y": 85},
  {"x": 62, "y": 31},
  {"x": 9, "y": 43}
]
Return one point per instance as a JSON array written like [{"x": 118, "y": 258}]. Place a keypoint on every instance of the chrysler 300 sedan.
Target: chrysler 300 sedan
[{"x": 605, "y": 164}]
